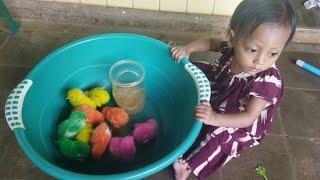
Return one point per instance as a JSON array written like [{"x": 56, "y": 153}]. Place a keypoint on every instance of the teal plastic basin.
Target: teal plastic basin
[{"x": 38, "y": 104}]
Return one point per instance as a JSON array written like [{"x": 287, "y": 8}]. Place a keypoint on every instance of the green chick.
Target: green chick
[
  {"x": 73, "y": 125},
  {"x": 73, "y": 149}
]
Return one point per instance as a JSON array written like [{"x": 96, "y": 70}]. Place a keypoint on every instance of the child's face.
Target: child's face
[{"x": 262, "y": 49}]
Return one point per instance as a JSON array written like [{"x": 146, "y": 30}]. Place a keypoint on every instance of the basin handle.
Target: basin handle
[
  {"x": 200, "y": 79},
  {"x": 13, "y": 106}
]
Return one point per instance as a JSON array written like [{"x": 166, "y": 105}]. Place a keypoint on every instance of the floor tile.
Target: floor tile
[
  {"x": 153, "y": 34},
  {"x": 3, "y": 36},
  {"x": 28, "y": 47},
  {"x": 12, "y": 157},
  {"x": 306, "y": 157},
  {"x": 276, "y": 127},
  {"x": 271, "y": 153},
  {"x": 205, "y": 56},
  {"x": 10, "y": 76},
  {"x": 168, "y": 174},
  {"x": 4, "y": 128},
  {"x": 300, "y": 113},
  {"x": 306, "y": 17},
  {"x": 295, "y": 76}
]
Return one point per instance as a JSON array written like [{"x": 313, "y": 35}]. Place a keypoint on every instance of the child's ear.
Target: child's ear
[{"x": 230, "y": 38}]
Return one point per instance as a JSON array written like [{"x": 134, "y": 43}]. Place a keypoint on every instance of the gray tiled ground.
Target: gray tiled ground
[
  {"x": 3, "y": 37},
  {"x": 305, "y": 157},
  {"x": 295, "y": 77},
  {"x": 300, "y": 113},
  {"x": 272, "y": 153},
  {"x": 306, "y": 17},
  {"x": 291, "y": 151}
]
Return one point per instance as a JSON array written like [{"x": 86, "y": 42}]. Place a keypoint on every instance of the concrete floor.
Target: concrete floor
[
  {"x": 290, "y": 151},
  {"x": 306, "y": 17}
]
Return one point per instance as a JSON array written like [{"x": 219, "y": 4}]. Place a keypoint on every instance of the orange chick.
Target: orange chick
[
  {"x": 93, "y": 116},
  {"x": 116, "y": 116},
  {"x": 99, "y": 140}
]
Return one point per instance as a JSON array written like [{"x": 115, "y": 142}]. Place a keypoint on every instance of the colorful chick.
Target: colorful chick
[
  {"x": 77, "y": 97},
  {"x": 99, "y": 140},
  {"x": 122, "y": 148},
  {"x": 99, "y": 95},
  {"x": 73, "y": 125},
  {"x": 93, "y": 116},
  {"x": 146, "y": 131},
  {"x": 85, "y": 133},
  {"x": 73, "y": 149},
  {"x": 116, "y": 116}
]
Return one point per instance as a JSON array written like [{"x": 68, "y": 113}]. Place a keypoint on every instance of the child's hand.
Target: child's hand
[
  {"x": 178, "y": 52},
  {"x": 204, "y": 113}
]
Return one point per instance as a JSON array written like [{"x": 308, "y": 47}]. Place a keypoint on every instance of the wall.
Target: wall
[{"x": 216, "y": 7}]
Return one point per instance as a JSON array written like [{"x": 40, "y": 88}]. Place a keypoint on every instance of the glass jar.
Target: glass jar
[{"x": 127, "y": 79}]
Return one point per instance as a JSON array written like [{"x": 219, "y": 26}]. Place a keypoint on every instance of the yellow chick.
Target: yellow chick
[
  {"x": 85, "y": 134},
  {"x": 77, "y": 97},
  {"x": 99, "y": 95}
]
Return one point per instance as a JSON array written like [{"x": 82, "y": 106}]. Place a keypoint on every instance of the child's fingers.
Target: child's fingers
[
  {"x": 174, "y": 54},
  {"x": 178, "y": 56},
  {"x": 174, "y": 51},
  {"x": 181, "y": 56},
  {"x": 201, "y": 120},
  {"x": 173, "y": 48},
  {"x": 206, "y": 103},
  {"x": 204, "y": 106},
  {"x": 199, "y": 116},
  {"x": 202, "y": 115},
  {"x": 202, "y": 110}
]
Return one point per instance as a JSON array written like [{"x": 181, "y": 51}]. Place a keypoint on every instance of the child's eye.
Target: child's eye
[
  {"x": 252, "y": 50},
  {"x": 274, "y": 54}
]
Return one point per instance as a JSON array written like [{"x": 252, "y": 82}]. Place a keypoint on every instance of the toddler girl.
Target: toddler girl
[{"x": 246, "y": 85}]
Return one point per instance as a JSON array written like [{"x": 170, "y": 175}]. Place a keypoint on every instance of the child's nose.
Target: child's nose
[{"x": 259, "y": 59}]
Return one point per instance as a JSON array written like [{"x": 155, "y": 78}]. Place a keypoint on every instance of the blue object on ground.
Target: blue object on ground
[{"x": 308, "y": 67}]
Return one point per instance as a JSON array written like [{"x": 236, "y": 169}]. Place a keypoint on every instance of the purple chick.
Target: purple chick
[
  {"x": 122, "y": 148},
  {"x": 114, "y": 148},
  {"x": 146, "y": 131}
]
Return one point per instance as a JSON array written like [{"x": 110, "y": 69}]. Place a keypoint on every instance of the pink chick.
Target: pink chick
[
  {"x": 146, "y": 131},
  {"x": 122, "y": 148}
]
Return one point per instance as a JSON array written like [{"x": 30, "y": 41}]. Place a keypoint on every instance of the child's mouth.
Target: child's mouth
[{"x": 254, "y": 69}]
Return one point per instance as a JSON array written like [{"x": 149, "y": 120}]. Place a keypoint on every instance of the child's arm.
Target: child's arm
[
  {"x": 201, "y": 45},
  {"x": 241, "y": 119}
]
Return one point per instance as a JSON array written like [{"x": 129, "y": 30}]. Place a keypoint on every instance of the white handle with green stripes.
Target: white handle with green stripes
[
  {"x": 200, "y": 79},
  {"x": 13, "y": 107}
]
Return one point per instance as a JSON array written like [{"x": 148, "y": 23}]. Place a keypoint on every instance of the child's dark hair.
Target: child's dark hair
[{"x": 251, "y": 13}]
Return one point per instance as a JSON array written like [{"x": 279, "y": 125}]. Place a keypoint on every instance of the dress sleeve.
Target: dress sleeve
[
  {"x": 226, "y": 53},
  {"x": 267, "y": 86},
  {"x": 223, "y": 47}
]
